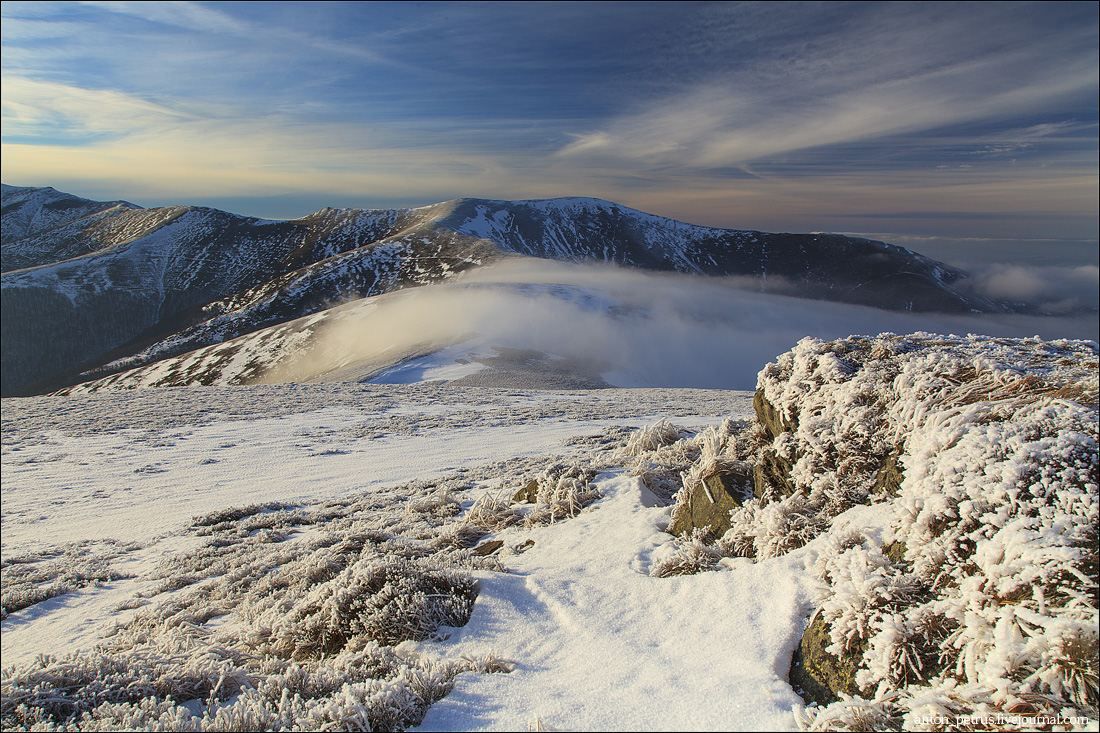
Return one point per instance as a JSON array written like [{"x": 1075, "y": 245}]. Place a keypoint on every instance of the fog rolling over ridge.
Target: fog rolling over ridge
[
  {"x": 537, "y": 323},
  {"x": 91, "y": 288}
]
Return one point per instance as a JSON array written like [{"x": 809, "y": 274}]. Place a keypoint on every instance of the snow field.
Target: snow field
[{"x": 253, "y": 617}]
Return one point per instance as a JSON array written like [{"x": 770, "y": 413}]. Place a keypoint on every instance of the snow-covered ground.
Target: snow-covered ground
[
  {"x": 601, "y": 645},
  {"x": 448, "y": 556},
  {"x": 595, "y": 641}
]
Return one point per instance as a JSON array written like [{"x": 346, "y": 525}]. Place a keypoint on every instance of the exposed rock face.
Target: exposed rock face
[
  {"x": 529, "y": 494},
  {"x": 770, "y": 418},
  {"x": 709, "y": 503},
  {"x": 770, "y": 474},
  {"x": 818, "y": 674}
]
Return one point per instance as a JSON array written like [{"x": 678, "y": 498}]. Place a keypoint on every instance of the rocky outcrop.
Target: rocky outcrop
[
  {"x": 708, "y": 504},
  {"x": 818, "y": 675},
  {"x": 770, "y": 476},
  {"x": 770, "y": 418}
]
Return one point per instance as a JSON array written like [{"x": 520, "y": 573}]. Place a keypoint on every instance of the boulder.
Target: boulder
[
  {"x": 488, "y": 548},
  {"x": 818, "y": 675},
  {"x": 708, "y": 504},
  {"x": 770, "y": 418},
  {"x": 771, "y": 474}
]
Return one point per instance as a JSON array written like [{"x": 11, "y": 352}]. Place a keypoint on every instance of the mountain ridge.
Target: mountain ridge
[{"x": 88, "y": 283}]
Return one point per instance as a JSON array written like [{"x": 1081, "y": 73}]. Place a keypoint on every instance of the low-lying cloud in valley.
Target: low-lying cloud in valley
[
  {"x": 1053, "y": 290},
  {"x": 634, "y": 328}
]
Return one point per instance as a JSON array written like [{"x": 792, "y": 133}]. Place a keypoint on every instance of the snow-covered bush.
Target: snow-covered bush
[
  {"x": 295, "y": 630},
  {"x": 690, "y": 555},
  {"x": 982, "y": 596}
]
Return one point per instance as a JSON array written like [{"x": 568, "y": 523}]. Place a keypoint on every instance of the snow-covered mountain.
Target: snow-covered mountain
[{"x": 90, "y": 283}]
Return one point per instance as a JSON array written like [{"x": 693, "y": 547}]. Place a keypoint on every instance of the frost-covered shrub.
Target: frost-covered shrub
[
  {"x": 372, "y": 689},
  {"x": 266, "y": 629},
  {"x": 763, "y": 530},
  {"x": 691, "y": 555},
  {"x": 982, "y": 596},
  {"x": 563, "y": 490},
  {"x": 383, "y": 599}
]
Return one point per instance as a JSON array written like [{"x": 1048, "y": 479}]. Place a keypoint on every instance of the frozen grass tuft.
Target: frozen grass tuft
[
  {"x": 691, "y": 555},
  {"x": 653, "y": 437},
  {"x": 564, "y": 489},
  {"x": 31, "y": 579},
  {"x": 254, "y": 632}
]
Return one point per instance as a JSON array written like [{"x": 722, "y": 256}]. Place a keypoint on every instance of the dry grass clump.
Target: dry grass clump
[
  {"x": 30, "y": 579},
  {"x": 262, "y": 631}
]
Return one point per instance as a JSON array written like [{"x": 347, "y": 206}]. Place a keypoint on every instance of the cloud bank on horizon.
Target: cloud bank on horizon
[{"x": 959, "y": 120}]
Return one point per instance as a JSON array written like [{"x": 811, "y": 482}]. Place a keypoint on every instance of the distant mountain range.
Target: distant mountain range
[{"x": 90, "y": 287}]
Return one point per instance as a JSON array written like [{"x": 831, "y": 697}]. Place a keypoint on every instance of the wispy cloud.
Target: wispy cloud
[
  {"x": 737, "y": 120},
  {"x": 738, "y": 114},
  {"x": 197, "y": 17},
  {"x": 189, "y": 15},
  {"x": 50, "y": 110}
]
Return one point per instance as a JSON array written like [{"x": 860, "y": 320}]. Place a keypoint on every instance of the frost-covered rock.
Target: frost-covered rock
[
  {"x": 983, "y": 451},
  {"x": 708, "y": 503},
  {"x": 977, "y": 594}
]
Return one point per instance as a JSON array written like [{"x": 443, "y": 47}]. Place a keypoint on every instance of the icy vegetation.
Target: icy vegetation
[
  {"x": 32, "y": 578},
  {"x": 976, "y": 591},
  {"x": 290, "y": 617},
  {"x": 324, "y": 608},
  {"x": 912, "y": 518}
]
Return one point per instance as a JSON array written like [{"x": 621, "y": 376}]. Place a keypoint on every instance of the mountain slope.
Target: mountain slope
[
  {"x": 43, "y": 225},
  {"x": 836, "y": 267},
  {"x": 88, "y": 283}
]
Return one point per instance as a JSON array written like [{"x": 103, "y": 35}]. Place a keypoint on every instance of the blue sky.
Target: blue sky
[{"x": 945, "y": 119}]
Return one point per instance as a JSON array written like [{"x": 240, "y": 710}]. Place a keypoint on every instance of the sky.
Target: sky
[{"x": 936, "y": 123}]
